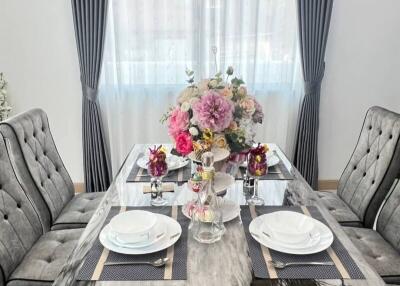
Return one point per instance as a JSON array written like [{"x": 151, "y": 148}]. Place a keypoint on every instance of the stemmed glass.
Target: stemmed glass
[
  {"x": 256, "y": 167},
  {"x": 157, "y": 169},
  {"x": 156, "y": 182}
]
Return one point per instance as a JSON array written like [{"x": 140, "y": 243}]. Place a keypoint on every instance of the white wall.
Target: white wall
[
  {"x": 363, "y": 69},
  {"x": 38, "y": 56}
]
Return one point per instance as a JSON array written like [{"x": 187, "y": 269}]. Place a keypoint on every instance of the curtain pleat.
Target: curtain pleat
[
  {"x": 313, "y": 21},
  {"x": 90, "y": 24}
]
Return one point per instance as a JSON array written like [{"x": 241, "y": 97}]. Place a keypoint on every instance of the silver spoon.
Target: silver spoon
[
  {"x": 156, "y": 263},
  {"x": 281, "y": 265}
]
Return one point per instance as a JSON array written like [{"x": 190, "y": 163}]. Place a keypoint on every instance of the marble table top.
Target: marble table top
[{"x": 222, "y": 263}]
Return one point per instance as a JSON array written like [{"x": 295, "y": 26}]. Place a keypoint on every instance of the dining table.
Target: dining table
[{"x": 226, "y": 262}]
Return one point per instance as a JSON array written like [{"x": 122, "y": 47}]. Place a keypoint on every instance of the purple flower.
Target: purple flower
[{"x": 213, "y": 111}]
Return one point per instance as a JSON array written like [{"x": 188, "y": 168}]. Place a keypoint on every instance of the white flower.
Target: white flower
[
  {"x": 193, "y": 100},
  {"x": 193, "y": 121},
  {"x": 193, "y": 131},
  {"x": 213, "y": 83},
  {"x": 4, "y": 91},
  {"x": 185, "y": 106},
  {"x": 187, "y": 94}
]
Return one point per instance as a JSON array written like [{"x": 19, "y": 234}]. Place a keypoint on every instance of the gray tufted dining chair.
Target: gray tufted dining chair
[
  {"x": 371, "y": 171},
  {"x": 30, "y": 254},
  {"x": 381, "y": 248},
  {"x": 41, "y": 170}
]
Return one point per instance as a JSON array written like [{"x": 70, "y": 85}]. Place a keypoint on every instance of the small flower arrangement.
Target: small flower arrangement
[
  {"x": 157, "y": 164},
  {"x": 257, "y": 164},
  {"x": 213, "y": 112}
]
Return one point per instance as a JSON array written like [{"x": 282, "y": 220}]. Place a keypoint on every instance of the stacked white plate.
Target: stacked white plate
[
  {"x": 140, "y": 232},
  {"x": 291, "y": 232}
]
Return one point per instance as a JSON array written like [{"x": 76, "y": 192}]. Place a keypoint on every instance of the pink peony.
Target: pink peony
[
  {"x": 183, "y": 143},
  {"x": 178, "y": 122},
  {"x": 213, "y": 111}
]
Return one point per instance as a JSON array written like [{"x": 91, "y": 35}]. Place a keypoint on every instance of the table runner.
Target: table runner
[
  {"x": 277, "y": 172},
  {"x": 93, "y": 268},
  {"x": 345, "y": 267},
  {"x": 179, "y": 176}
]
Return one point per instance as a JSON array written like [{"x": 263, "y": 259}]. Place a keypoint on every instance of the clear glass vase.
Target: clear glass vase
[{"x": 207, "y": 220}]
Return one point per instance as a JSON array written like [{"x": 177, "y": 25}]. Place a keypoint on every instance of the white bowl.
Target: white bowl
[
  {"x": 133, "y": 226},
  {"x": 288, "y": 227}
]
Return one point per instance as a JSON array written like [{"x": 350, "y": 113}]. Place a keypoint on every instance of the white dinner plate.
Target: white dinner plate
[
  {"x": 172, "y": 234},
  {"x": 230, "y": 210},
  {"x": 174, "y": 162},
  {"x": 219, "y": 155},
  {"x": 325, "y": 239},
  {"x": 222, "y": 181}
]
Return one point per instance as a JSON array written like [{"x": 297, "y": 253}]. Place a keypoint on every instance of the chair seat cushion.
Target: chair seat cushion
[
  {"x": 339, "y": 209},
  {"x": 45, "y": 259},
  {"x": 377, "y": 251},
  {"x": 77, "y": 213}
]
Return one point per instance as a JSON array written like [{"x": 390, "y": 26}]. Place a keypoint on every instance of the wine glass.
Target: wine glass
[
  {"x": 157, "y": 172},
  {"x": 256, "y": 167}
]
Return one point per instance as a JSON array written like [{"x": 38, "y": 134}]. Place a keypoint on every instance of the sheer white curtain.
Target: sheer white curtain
[{"x": 150, "y": 43}]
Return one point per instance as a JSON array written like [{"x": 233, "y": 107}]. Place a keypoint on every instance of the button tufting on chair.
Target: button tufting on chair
[
  {"x": 355, "y": 190},
  {"x": 40, "y": 162},
  {"x": 25, "y": 240},
  {"x": 381, "y": 247}
]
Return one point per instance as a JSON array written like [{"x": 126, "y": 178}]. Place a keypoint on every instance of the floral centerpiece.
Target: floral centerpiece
[{"x": 215, "y": 112}]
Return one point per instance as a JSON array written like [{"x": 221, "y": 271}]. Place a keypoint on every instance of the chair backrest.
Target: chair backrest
[
  {"x": 373, "y": 166},
  {"x": 33, "y": 143},
  {"x": 20, "y": 225},
  {"x": 388, "y": 224}
]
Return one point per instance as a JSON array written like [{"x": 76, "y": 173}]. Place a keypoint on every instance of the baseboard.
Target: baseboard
[
  {"x": 327, "y": 185},
  {"x": 79, "y": 187}
]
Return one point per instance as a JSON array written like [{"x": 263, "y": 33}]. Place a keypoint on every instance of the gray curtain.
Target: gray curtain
[
  {"x": 313, "y": 20},
  {"x": 90, "y": 24}
]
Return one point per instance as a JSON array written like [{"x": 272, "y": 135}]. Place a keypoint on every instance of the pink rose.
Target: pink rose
[
  {"x": 178, "y": 122},
  {"x": 183, "y": 143}
]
